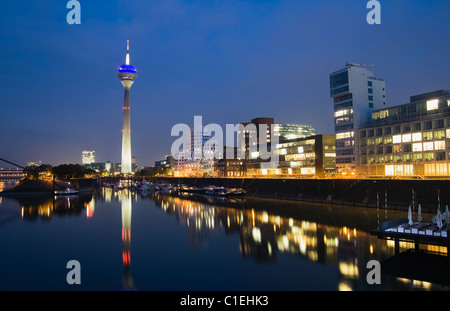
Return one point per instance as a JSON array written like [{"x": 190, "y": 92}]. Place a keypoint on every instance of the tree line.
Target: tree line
[{"x": 63, "y": 171}]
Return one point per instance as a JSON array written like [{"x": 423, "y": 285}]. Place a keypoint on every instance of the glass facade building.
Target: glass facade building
[
  {"x": 293, "y": 131},
  {"x": 355, "y": 93},
  {"x": 408, "y": 140}
]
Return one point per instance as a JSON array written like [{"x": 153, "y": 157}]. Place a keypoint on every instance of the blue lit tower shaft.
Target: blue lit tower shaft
[{"x": 127, "y": 75}]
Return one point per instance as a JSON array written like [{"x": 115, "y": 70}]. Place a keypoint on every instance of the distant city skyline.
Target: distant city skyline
[{"x": 226, "y": 61}]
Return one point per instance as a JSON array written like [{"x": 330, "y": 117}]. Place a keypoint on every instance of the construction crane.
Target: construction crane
[{"x": 350, "y": 64}]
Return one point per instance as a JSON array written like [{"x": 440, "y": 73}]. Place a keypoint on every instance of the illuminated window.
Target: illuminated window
[
  {"x": 430, "y": 169},
  {"x": 448, "y": 133},
  {"x": 406, "y": 138},
  {"x": 439, "y": 145},
  {"x": 345, "y": 135},
  {"x": 330, "y": 155},
  {"x": 428, "y": 146},
  {"x": 417, "y": 137},
  {"x": 295, "y": 157},
  {"x": 283, "y": 152},
  {"x": 407, "y": 158},
  {"x": 290, "y": 171},
  {"x": 397, "y": 139},
  {"x": 388, "y": 140},
  {"x": 307, "y": 170},
  {"x": 428, "y": 136},
  {"x": 397, "y": 148},
  {"x": 417, "y": 147},
  {"x": 408, "y": 170},
  {"x": 343, "y": 112},
  {"x": 439, "y": 134},
  {"x": 417, "y": 157},
  {"x": 301, "y": 150},
  {"x": 432, "y": 104},
  {"x": 398, "y": 170},
  {"x": 441, "y": 169},
  {"x": 254, "y": 155},
  {"x": 380, "y": 114},
  {"x": 429, "y": 156},
  {"x": 389, "y": 170}
]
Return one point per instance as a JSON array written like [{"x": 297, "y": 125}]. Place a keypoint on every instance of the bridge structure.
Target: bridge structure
[{"x": 11, "y": 173}]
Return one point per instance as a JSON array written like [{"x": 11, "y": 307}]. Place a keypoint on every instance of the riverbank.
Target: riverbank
[
  {"x": 29, "y": 187},
  {"x": 382, "y": 193}
]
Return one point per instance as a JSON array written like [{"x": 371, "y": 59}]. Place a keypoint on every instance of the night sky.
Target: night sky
[{"x": 229, "y": 61}]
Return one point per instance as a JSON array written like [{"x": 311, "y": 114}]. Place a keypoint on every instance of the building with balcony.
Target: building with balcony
[{"x": 356, "y": 93}]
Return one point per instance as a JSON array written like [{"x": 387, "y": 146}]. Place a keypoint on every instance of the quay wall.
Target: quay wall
[{"x": 356, "y": 192}]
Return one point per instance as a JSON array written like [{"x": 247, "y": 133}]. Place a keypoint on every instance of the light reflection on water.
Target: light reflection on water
[{"x": 286, "y": 236}]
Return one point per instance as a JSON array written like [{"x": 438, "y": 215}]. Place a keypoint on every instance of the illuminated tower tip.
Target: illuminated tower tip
[{"x": 127, "y": 61}]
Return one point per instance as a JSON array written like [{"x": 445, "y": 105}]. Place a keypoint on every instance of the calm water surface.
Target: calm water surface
[{"x": 135, "y": 241}]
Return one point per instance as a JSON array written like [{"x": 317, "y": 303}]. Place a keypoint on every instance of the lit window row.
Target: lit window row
[
  {"x": 345, "y": 135},
  {"x": 343, "y": 112}
]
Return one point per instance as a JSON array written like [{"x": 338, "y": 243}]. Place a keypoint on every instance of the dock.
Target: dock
[{"x": 417, "y": 233}]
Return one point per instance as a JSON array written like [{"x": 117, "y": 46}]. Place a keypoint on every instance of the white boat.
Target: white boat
[{"x": 68, "y": 191}]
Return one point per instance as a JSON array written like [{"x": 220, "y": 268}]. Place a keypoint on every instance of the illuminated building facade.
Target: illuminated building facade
[
  {"x": 87, "y": 157},
  {"x": 293, "y": 131},
  {"x": 311, "y": 156},
  {"x": 408, "y": 140},
  {"x": 234, "y": 167},
  {"x": 188, "y": 169},
  {"x": 355, "y": 93},
  {"x": 127, "y": 76}
]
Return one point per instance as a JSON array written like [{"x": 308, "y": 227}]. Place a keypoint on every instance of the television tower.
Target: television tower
[{"x": 127, "y": 75}]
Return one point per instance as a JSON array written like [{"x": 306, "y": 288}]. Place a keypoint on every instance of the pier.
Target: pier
[{"x": 417, "y": 233}]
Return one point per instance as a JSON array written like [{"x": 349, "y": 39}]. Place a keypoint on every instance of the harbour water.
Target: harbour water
[{"x": 150, "y": 241}]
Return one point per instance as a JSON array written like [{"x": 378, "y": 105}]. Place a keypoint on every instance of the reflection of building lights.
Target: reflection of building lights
[
  {"x": 415, "y": 283},
  {"x": 371, "y": 249},
  {"x": 344, "y": 287},
  {"x": 348, "y": 269},
  {"x": 256, "y": 234}
]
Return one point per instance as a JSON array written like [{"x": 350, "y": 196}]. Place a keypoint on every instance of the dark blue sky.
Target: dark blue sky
[{"x": 228, "y": 61}]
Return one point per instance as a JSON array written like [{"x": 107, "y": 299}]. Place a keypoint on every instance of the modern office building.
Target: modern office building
[
  {"x": 293, "y": 131},
  {"x": 127, "y": 76},
  {"x": 310, "y": 156},
  {"x": 168, "y": 162},
  {"x": 356, "y": 93},
  {"x": 408, "y": 140},
  {"x": 87, "y": 157}
]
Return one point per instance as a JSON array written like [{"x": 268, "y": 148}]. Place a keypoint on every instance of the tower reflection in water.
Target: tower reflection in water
[{"x": 126, "y": 205}]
